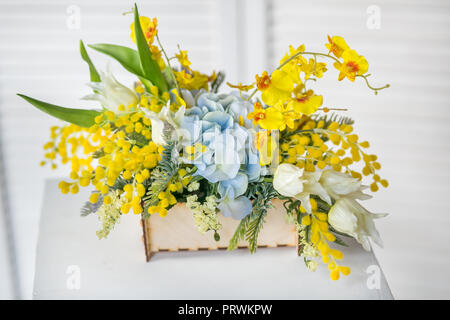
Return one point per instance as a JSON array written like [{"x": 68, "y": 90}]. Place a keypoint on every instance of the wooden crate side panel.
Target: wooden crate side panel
[{"x": 177, "y": 231}]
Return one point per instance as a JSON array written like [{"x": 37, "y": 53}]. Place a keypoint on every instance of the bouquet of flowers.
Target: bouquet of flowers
[{"x": 173, "y": 138}]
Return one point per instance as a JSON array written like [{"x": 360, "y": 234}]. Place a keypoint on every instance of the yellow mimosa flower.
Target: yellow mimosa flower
[
  {"x": 353, "y": 65},
  {"x": 336, "y": 45}
]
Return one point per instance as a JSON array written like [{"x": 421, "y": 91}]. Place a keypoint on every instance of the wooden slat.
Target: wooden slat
[{"x": 177, "y": 232}]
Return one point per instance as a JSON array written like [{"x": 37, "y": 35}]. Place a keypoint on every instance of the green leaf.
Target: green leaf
[
  {"x": 95, "y": 77},
  {"x": 80, "y": 117},
  {"x": 127, "y": 57},
  {"x": 239, "y": 233},
  {"x": 339, "y": 241},
  {"x": 149, "y": 66}
]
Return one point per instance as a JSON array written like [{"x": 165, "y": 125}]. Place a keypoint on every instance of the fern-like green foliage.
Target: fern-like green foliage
[
  {"x": 326, "y": 118},
  {"x": 261, "y": 193},
  {"x": 333, "y": 117},
  {"x": 138, "y": 139},
  {"x": 239, "y": 234},
  {"x": 90, "y": 207},
  {"x": 215, "y": 85},
  {"x": 161, "y": 175}
]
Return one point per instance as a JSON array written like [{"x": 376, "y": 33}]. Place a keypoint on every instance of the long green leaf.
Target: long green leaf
[
  {"x": 149, "y": 66},
  {"x": 127, "y": 57},
  {"x": 95, "y": 77},
  {"x": 80, "y": 117}
]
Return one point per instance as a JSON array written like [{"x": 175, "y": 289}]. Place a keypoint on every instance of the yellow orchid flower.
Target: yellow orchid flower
[
  {"x": 277, "y": 87},
  {"x": 353, "y": 65},
  {"x": 308, "y": 67},
  {"x": 257, "y": 114},
  {"x": 240, "y": 86},
  {"x": 306, "y": 103},
  {"x": 293, "y": 70},
  {"x": 266, "y": 145},
  {"x": 293, "y": 52},
  {"x": 289, "y": 115},
  {"x": 178, "y": 100},
  {"x": 319, "y": 69},
  {"x": 194, "y": 81},
  {"x": 183, "y": 59},
  {"x": 337, "y": 46},
  {"x": 270, "y": 118},
  {"x": 148, "y": 28},
  {"x": 157, "y": 55}
]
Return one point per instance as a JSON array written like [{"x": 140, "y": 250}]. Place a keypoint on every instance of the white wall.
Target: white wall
[
  {"x": 406, "y": 124},
  {"x": 6, "y": 285}
]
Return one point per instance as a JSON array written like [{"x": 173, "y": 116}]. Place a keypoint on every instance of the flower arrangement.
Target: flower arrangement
[{"x": 173, "y": 138}]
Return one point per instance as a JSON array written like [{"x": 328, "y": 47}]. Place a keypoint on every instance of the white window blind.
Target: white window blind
[
  {"x": 39, "y": 56},
  {"x": 407, "y": 124}
]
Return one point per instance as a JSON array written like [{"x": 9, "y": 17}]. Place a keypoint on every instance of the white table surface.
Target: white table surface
[{"x": 115, "y": 268}]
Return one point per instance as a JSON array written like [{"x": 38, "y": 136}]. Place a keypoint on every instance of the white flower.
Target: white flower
[
  {"x": 288, "y": 180},
  {"x": 164, "y": 116},
  {"x": 111, "y": 93},
  {"x": 349, "y": 217},
  {"x": 292, "y": 181},
  {"x": 338, "y": 185}
]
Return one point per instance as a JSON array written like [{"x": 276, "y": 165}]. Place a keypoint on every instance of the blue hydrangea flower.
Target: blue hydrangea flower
[{"x": 228, "y": 156}]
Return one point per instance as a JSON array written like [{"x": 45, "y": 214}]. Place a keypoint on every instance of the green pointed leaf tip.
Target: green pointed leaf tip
[
  {"x": 80, "y": 117},
  {"x": 150, "y": 67},
  {"x": 95, "y": 76},
  {"x": 127, "y": 57}
]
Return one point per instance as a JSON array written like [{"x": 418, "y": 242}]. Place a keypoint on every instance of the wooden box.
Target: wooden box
[{"x": 177, "y": 232}]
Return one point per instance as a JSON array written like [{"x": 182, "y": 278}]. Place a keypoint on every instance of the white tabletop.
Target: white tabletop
[{"x": 72, "y": 263}]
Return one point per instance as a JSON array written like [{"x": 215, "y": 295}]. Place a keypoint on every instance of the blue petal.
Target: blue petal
[
  {"x": 253, "y": 167},
  {"x": 210, "y": 101},
  {"x": 234, "y": 187},
  {"x": 191, "y": 129},
  {"x": 237, "y": 209},
  {"x": 223, "y": 119},
  {"x": 219, "y": 172}
]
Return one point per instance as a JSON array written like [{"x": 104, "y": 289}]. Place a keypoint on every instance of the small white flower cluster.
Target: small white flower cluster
[
  {"x": 205, "y": 214},
  {"x": 193, "y": 186},
  {"x": 109, "y": 214},
  {"x": 307, "y": 251}
]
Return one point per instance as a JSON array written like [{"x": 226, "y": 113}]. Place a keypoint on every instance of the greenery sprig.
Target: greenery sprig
[
  {"x": 261, "y": 193},
  {"x": 161, "y": 175}
]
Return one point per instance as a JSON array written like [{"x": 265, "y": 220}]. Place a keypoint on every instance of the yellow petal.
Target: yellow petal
[
  {"x": 282, "y": 80},
  {"x": 274, "y": 119}
]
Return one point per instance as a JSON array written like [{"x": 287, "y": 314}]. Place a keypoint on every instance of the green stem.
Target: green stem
[
  {"x": 168, "y": 64},
  {"x": 374, "y": 89}
]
